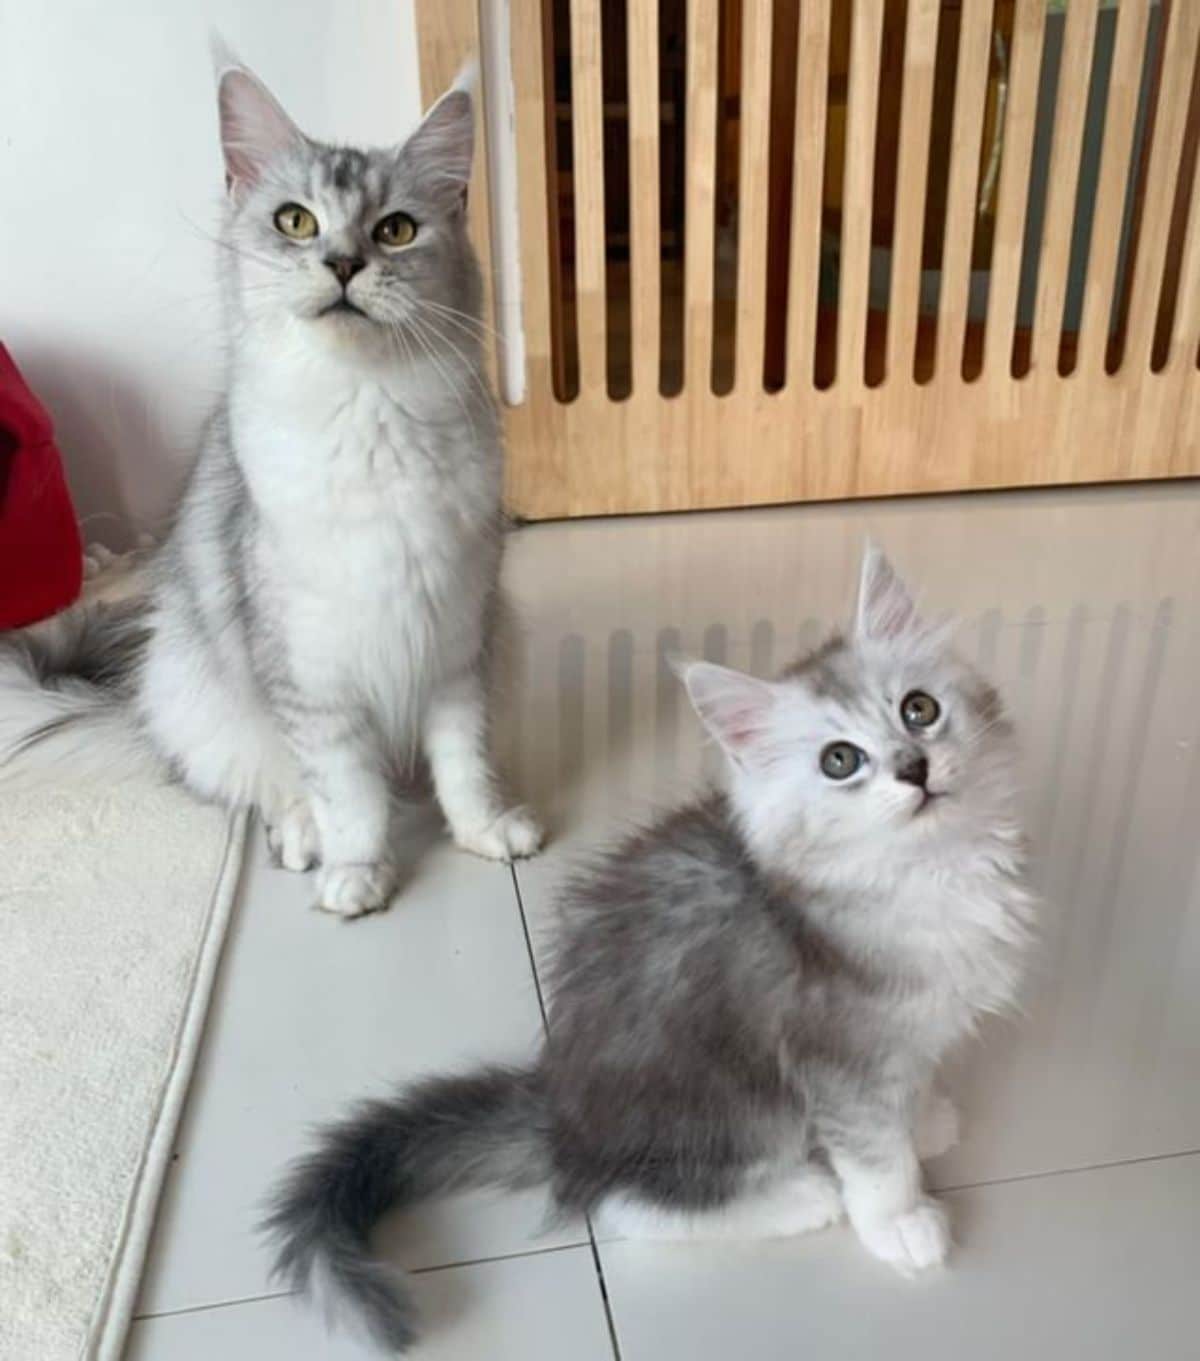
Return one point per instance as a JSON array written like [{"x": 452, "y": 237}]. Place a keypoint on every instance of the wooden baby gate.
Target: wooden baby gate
[{"x": 752, "y": 251}]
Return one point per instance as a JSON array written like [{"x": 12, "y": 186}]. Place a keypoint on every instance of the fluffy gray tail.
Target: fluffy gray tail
[
  {"x": 446, "y": 1134},
  {"x": 65, "y": 687}
]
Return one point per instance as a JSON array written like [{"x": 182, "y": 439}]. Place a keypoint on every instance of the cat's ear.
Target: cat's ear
[
  {"x": 734, "y": 707},
  {"x": 254, "y": 127},
  {"x": 886, "y": 608},
  {"x": 439, "y": 153}
]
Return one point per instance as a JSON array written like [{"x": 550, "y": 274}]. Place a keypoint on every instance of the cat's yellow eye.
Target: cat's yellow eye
[
  {"x": 395, "y": 230},
  {"x": 296, "y": 223}
]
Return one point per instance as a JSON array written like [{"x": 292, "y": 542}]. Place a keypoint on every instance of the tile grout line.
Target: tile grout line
[
  {"x": 216, "y": 1304},
  {"x": 1066, "y": 1171},
  {"x": 537, "y": 983},
  {"x": 413, "y": 1271},
  {"x": 500, "y": 1257},
  {"x": 603, "y": 1284}
]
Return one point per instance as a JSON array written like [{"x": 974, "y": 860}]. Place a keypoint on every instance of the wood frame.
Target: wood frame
[{"x": 649, "y": 452}]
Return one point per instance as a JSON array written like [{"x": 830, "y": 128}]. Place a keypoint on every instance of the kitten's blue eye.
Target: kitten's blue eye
[
  {"x": 919, "y": 710},
  {"x": 840, "y": 760}
]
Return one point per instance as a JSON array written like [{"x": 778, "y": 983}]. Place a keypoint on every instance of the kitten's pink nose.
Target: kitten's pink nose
[
  {"x": 344, "y": 266},
  {"x": 914, "y": 770}
]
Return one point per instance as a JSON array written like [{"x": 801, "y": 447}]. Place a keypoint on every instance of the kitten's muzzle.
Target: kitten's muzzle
[{"x": 914, "y": 770}]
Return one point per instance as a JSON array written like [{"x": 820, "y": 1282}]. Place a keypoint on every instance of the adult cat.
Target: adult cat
[{"x": 321, "y": 611}]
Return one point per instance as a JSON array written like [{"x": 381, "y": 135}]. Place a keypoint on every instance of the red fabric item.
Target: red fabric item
[{"x": 41, "y": 557}]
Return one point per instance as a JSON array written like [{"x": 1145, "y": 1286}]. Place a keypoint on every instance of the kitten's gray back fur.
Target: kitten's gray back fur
[{"x": 685, "y": 989}]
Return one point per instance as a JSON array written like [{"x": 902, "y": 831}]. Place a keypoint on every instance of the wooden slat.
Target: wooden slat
[
  {"x": 1012, "y": 197},
  {"x": 812, "y": 78},
  {"x": 971, "y": 85},
  {"x": 754, "y": 175},
  {"x": 866, "y": 46},
  {"x": 587, "y": 123},
  {"x": 701, "y": 188},
  {"x": 1120, "y": 122},
  {"x": 1177, "y": 235},
  {"x": 533, "y": 206},
  {"x": 1066, "y": 150},
  {"x": 645, "y": 284},
  {"x": 920, "y": 54},
  {"x": 1161, "y": 180},
  {"x": 1185, "y": 331}
]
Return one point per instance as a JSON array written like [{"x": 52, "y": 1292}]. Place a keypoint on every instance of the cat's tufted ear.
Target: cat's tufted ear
[
  {"x": 438, "y": 154},
  {"x": 886, "y": 608},
  {"x": 734, "y": 707},
  {"x": 254, "y": 127}
]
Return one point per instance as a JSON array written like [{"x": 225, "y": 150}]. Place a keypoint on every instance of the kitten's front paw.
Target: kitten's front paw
[
  {"x": 293, "y": 840},
  {"x": 910, "y": 1242},
  {"x": 514, "y": 835},
  {"x": 937, "y": 1127},
  {"x": 352, "y": 890}
]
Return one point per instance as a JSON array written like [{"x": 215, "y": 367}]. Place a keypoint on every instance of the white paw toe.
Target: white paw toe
[
  {"x": 293, "y": 840},
  {"x": 910, "y": 1242},
  {"x": 512, "y": 836},
  {"x": 351, "y": 890}
]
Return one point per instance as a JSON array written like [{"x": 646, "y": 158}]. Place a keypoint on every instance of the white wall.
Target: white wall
[{"x": 110, "y": 181}]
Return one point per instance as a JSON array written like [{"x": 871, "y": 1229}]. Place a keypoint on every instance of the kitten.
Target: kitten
[
  {"x": 323, "y": 607},
  {"x": 749, "y": 1001}
]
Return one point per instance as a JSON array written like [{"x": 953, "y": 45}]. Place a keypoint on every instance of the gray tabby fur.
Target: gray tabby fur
[
  {"x": 748, "y": 1000},
  {"x": 321, "y": 613}
]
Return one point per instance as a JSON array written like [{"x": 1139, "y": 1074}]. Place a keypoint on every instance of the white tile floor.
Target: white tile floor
[{"x": 1076, "y": 1190}]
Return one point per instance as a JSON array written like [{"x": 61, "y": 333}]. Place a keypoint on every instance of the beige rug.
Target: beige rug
[{"x": 113, "y": 908}]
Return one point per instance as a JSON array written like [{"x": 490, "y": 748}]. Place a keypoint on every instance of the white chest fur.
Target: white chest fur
[
  {"x": 331, "y": 441},
  {"x": 966, "y": 932},
  {"x": 952, "y": 933},
  {"x": 377, "y": 493}
]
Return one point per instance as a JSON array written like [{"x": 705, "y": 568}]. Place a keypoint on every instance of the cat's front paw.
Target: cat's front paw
[
  {"x": 293, "y": 840},
  {"x": 937, "y": 1127},
  {"x": 352, "y": 890},
  {"x": 514, "y": 835},
  {"x": 911, "y": 1242}
]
